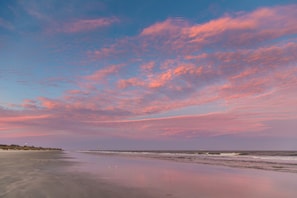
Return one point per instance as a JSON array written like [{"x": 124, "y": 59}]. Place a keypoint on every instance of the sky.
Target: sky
[{"x": 111, "y": 74}]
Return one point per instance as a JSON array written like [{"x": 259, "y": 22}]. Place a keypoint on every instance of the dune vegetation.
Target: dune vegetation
[{"x": 25, "y": 147}]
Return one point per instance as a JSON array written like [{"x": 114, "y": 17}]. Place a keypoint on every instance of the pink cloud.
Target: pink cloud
[
  {"x": 104, "y": 52},
  {"x": 74, "y": 92},
  {"x": 156, "y": 80},
  {"x": 124, "y": 83},
  {"x": 102, "y": 73},
  {"x": 49, "y": 103},
  {"x": 242, "y": 70},
  {"x": 276, "y": 104},
  {"x": 19, "y": 123},
  {"x": 23, "y": 118},
  {"x": 188, "y": 69},
  {"x": 84, "y": 25},
  {"x": 22, "y": 134},
  {"x": 177, "y": 36},
  {"x": 245, "y": 114},
  {"x": 29, "y": 104},
  {"x": 262, "y": 24},
  {"x": 148, "y": 67},
  {"x": 176, "y": 84},
  {"x": 161, "y": 79},
  {"x": 167, "y": 26},
  {"x": 125, "y": 47},
  {"x": 185, "y": 126}
]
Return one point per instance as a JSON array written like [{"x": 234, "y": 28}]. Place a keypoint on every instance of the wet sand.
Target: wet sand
[
  {"x": 40, "y": 174},
  {"x": 187, "y": 180}
]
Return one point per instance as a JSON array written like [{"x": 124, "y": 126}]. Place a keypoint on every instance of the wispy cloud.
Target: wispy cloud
[
  {"x": 169, "y": 26},
  {"x": 84, "y": 25},
  {"x": 60, "y": 17}
]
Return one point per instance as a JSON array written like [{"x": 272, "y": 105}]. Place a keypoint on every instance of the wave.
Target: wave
[{"x": 284, "y": 161}]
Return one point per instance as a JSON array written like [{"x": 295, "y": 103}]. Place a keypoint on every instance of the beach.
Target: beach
[
  {"x": 38, "y": 174},
  {"x": 78, "y": 174}
]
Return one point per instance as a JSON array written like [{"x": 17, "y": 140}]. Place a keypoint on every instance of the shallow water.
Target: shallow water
[{"x": 168, "y": 178}]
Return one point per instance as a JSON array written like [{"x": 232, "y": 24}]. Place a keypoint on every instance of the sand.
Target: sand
[
  {"x": 56, "y": 174},
  {"x": 43, "y": 174}
]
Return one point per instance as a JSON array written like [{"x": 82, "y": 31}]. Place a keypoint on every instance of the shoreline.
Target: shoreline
[{"x": 37, "y": 174}]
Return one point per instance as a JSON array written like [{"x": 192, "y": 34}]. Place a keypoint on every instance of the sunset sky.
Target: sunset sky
[{"x": 154, "y": 74}]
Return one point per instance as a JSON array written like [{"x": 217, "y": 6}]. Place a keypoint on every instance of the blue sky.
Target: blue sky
[{"x": 133, "y": 73}]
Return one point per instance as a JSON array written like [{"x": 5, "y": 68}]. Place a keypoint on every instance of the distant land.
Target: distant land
[{"x": 18, "y": 147}]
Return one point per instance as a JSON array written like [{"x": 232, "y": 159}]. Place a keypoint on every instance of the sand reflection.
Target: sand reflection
[{"x": 188, "y": 180}]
